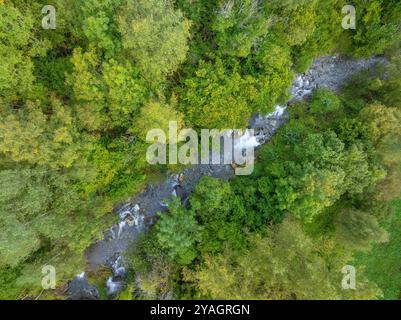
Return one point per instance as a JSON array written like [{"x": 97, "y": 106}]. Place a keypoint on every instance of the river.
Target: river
[{"x": 135, "y": 217}]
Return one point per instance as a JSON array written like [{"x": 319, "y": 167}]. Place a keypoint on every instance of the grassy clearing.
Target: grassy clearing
[{"x": 383, "y": 263}]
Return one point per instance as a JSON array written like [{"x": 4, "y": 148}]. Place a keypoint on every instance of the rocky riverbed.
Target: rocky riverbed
[{"x": 135, "y": 217}]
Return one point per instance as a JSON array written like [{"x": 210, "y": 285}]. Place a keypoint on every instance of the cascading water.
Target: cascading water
[
  {"x": 246, "y": 141},
  {"x": 81, "y": 275},
  {"x": 118, "y": 268},
  {"x": 113, "y": 286}
]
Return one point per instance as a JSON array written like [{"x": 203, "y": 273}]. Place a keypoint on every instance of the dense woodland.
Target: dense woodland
[{"x": 76, "y": 103}]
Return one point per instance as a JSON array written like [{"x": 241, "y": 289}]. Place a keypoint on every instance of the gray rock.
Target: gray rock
[{"x": 80, "y": 289}]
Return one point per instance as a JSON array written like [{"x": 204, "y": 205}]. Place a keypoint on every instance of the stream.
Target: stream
[{"x": 137, "y": 216}]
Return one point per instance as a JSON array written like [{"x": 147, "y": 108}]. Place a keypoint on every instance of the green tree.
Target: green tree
[
  {"x": 325, "y": 101},
  {"x": 18, "y": 46},
  {"x": 378, "y": 27},
  {"x": 357, "y": 230},
  {"x": 392, "y": 86},
  {"x": 100, "y": 25},
  {"x": 222, "y": 223},
  {"x": 107, "y": 95},
  {"x": 217, "y": 97},
  {"x": 28, "y": 134},
  {"x": 178, "y": 232},
  {"x": 157, "y": 115},
  {"x": 294, "y": 20},
  {"x": 154, "y": 36},
  {"x": 381, "y": 122},
  {"x": 239, "y": 26},
  {"x": 285, "y": 264}
]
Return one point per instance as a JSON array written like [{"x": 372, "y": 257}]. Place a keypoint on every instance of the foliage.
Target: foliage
[
  {"x": 357, "y": 229},
  {"x": 76, "y": 104},
  {"x": 154, "y": 36},
  {"x": 382, "y": 263},
  {"x": 324, "y": 101},
  {"x": 177, "y": 233},
  {"x": 210, "y": 95},
  {"x": 222, "y": 222},
  {"x": 284, "y": 265},
  {"x": 378, "y": 27},
  {"x": 238, "y": 26}
]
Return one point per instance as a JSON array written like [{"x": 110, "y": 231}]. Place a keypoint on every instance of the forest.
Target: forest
[{"x": 77, "y": 100}]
